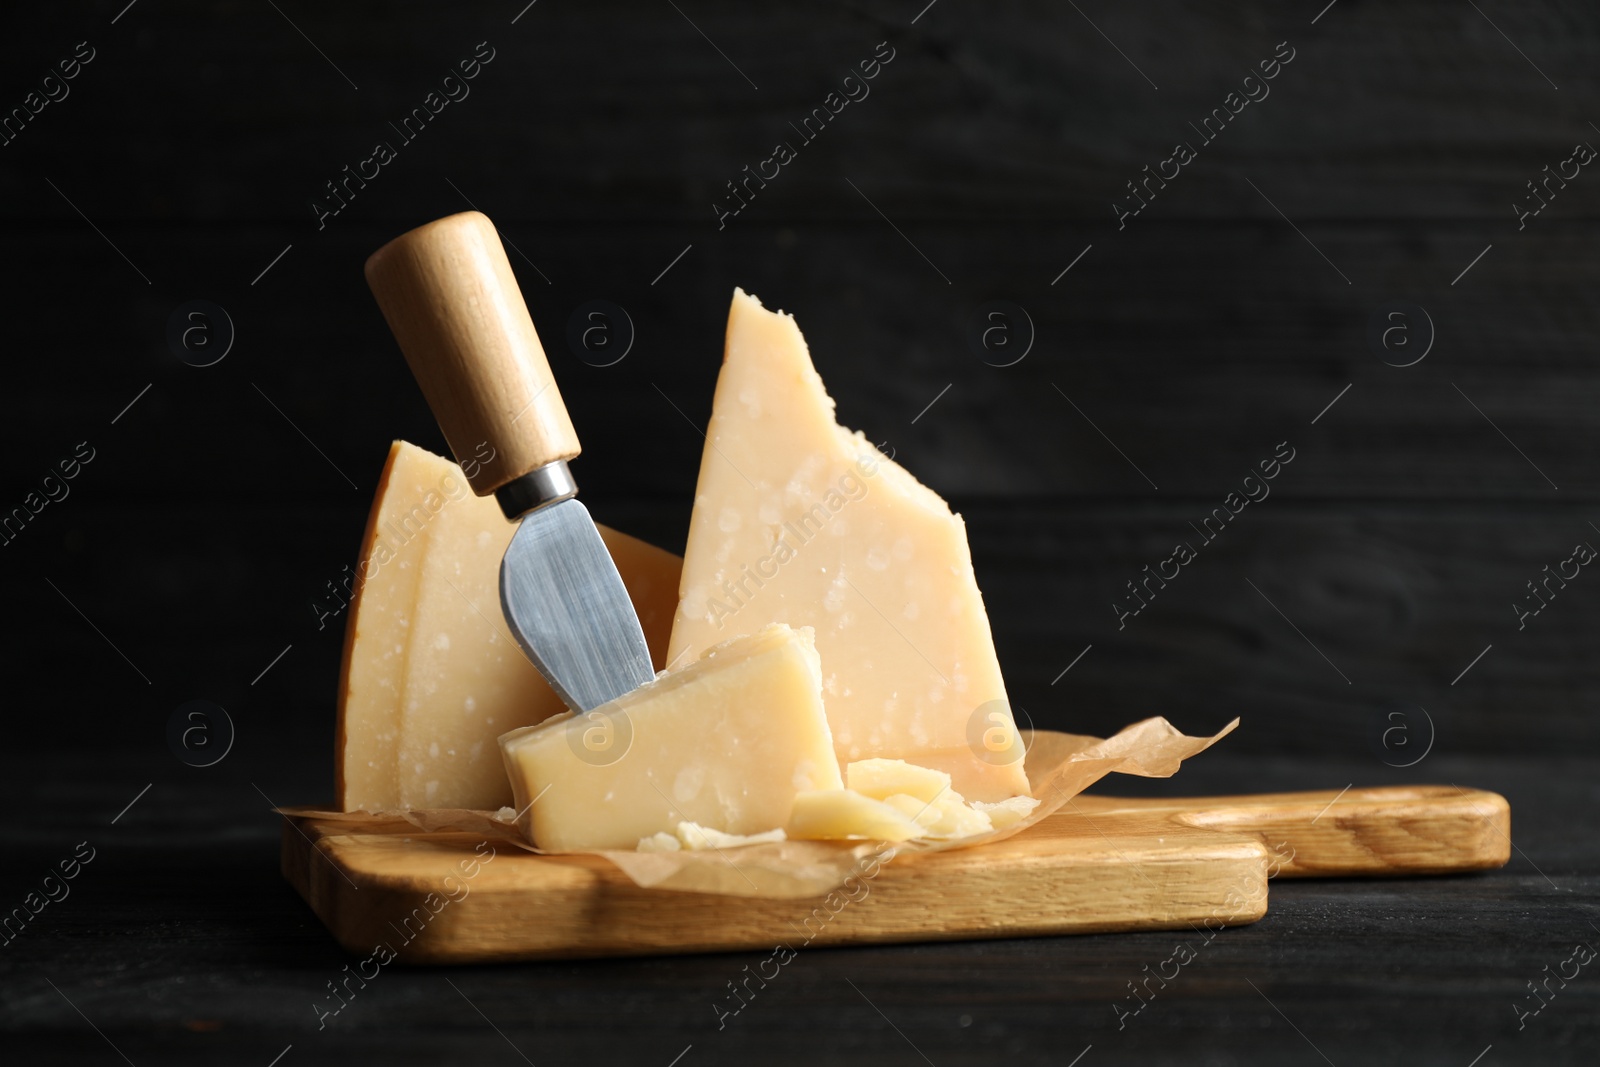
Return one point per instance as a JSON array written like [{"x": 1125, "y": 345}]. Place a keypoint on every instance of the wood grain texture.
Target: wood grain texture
[
  {"x": 1127, "y": 872},
  {"x": 1100, "y": 865},
  {"x": 1389, "y": 830},
  {"x": 451, "y": 299}
]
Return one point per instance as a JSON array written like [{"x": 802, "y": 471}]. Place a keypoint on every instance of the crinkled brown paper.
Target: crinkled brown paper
[{"x": 1059, "y": 766}]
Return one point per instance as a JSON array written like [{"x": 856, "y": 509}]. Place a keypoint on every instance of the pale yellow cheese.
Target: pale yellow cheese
[
  {"x": 692, "y": 837},
  {"x": 466, "y": 680},
  {"x": 726, "y": 742},
  {"x": 947, "y": 815},
  {"x": 1009, "y": 812},
  {"x": 431, "y": 675},
  {"x": 660, "y": 841},
  {"x": 695, "y": 837},
  {"x": 832, "y": 814},
  {"x": 372, "y": 679},
  {"x": 882, "y": 778},
  {"x": 892, "y": 800},
  {"x": 797, "y": 520}
]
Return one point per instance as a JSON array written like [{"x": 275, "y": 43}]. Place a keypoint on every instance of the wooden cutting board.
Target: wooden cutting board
[{"x": 1100, "y": 864}]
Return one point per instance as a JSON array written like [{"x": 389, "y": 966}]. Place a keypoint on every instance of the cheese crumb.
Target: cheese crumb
[
  {"x": 833, "y": 814},
  {"x": 1009, "y": 812},
  {"x": 881, "y": 778},
  {"x": 893, "y": 800},
  {"x": 944, "y": 818},
  {"x": 694, "y": 837},
  {"x": 659, "y": 842}
]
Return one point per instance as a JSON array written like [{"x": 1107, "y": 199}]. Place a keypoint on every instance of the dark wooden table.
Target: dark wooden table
[
  {"x": 1385, "y": 580},
  {"x": 179, "y": 943}
]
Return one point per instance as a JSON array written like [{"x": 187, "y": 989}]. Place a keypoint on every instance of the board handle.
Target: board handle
[
  {"x": 1399, "y": 830},
  {"x": 448, "y": 294}
]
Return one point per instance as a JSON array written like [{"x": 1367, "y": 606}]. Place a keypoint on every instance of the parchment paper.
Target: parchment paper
[{"x": 1059, "y": 766}]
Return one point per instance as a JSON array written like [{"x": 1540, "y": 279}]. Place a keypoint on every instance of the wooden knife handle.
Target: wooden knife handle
[
  {"x": 452, "y": 302},
  {"x": 1397, "y": 830}
]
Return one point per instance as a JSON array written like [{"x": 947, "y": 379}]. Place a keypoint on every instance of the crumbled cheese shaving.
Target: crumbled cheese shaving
[
  {"x": 693, "y": 837},
  {"x": 920, "y": 795},
  {"x": 1008, "y": 812},
  {"x": 659, "y": 842}
]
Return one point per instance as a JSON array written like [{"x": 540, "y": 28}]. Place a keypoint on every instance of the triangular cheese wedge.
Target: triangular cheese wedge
[
  {"x": 431, "y": 675},
  {"x": 799, "y": 521},
  {"x": 725, "y": 743}
]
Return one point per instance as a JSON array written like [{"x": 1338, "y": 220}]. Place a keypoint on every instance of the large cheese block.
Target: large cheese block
[
  {"x": 799, "y": 521},
  {"x": 431, "y": 675},
  {"x": 726, "y": 742}
]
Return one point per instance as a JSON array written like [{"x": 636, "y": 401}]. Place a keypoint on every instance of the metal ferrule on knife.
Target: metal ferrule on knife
[{"x": 549, "y": 484}]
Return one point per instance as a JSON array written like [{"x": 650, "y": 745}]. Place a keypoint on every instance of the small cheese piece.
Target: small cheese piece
[
  {"x": 881, "y": 778},
  {"x": 836, "y": 814},
  {"x": 918, "y": 794},
  {"x": 797, "y": 520},
  {"x": 726, "y": 742},
  {"x": 431, "y": 675},
  {"x": 1006, "y": 813},
  {"x": 945, "y": 816},
  {"x": 694, "y": 837},
  {"x": 660, "y": 841}
]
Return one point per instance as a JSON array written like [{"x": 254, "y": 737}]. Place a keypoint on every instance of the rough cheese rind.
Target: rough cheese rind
[
  {"x": 726, "y": 742},
  {"x": 366, "y": 767},
  {"x": 797, "y": 520},
  {"x": 431, "y": 676}
]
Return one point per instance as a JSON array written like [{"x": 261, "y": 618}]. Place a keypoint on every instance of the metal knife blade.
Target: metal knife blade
[
  {"x": 449, "y": 294},
  {"x": 567, "y": 607}
]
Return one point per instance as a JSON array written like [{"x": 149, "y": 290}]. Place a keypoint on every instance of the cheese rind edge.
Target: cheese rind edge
[{"x": 427, "y": 662}]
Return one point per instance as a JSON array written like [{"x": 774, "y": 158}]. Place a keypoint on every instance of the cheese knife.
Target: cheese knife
[{"x": 453, "y": 304}]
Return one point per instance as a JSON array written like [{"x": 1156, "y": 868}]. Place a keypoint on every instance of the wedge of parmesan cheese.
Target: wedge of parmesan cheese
[
  {"x": 431, "y": 676},
  {"x": 798, "y": 521},
  {"x": 726, "y": 743}
]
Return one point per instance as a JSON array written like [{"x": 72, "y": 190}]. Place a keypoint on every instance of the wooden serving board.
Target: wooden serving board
[{"x": 1100, "y": 864}]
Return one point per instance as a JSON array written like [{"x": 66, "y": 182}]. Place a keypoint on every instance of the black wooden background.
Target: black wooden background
[{"x": 1374, "y": 588}]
